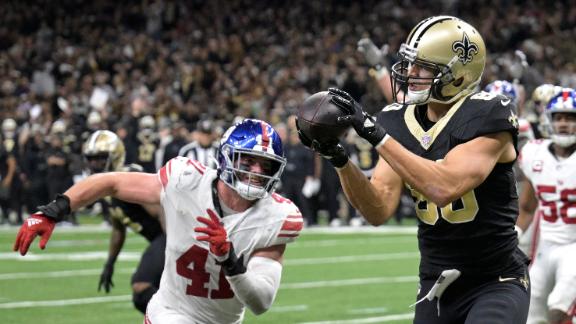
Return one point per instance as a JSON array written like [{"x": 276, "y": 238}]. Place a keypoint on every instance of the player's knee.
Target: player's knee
[
  {"x": 556, "y": 316},
  {"x": 141, "y": 297}
]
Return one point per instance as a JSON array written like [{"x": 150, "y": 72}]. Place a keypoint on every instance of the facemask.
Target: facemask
[
  {"x": 418, "y": 97},
  {"x": 249, "y": 192}
]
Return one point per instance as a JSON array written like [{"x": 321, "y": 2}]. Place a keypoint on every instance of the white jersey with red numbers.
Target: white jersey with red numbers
[
  {"x": 553, "y": 269},
  {"x": 554, "y": 183},
  {"x": 193, "y": 288}
]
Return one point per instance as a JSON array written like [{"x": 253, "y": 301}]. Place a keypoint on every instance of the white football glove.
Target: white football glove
[
  {"x": 519, "y": 231},
  {"x": 374, "y": 56},
  {"x": 311, "y": 187}
]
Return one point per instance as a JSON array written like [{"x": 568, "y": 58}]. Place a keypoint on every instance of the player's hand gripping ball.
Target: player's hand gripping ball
[{"x": 318, "y": 118}]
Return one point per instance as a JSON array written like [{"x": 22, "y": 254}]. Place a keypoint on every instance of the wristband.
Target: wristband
[
  {"x": 339, "y": 161},
  {"x": 379, "y": 73},
  {"x": 57, "y": 208},
  {"x": 374, "y": 136},
  {"x": 383, "y": 141},
  {"x": 233, "y": 265}
]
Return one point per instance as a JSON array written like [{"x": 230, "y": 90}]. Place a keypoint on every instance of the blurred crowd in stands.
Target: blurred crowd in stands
[{"x": 164, "y": 74}]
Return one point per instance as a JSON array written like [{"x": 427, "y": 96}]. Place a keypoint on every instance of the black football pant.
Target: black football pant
[
  {"x": 476, "y": 301},
  {"x": 152, "y": 263}
]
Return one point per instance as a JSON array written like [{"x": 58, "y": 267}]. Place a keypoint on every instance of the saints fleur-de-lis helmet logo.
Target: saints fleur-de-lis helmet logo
[{"x": 465, "y": 49}]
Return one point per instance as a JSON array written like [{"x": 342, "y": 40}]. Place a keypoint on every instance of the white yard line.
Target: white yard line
[
  {"x": 387, "y": 229},
  {"x": 288, "y": 308},
  {"x": 66, "y": 256},
  {"x": 379, "y": 319},
  {"x": 65, "y": 302},
  {"x": 348, "y": 282},
  {"x": 135, "y": 256},
  {"x": 59, "y": 274},
  {"x": 371, "y": 310},
  {"x": 360, "y": 241},
  {"x": 295, "y": 285},
  {"x": 353, "y": 258},
  {"x": 103, "y": 241},
  {"x": 63, "y": 229}
]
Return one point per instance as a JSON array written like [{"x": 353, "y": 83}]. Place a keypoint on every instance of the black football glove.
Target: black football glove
[
  {"x": 364, "y": 124},
  {"x": 106, "y": 277},
  {"x": 331, "y": 151}
]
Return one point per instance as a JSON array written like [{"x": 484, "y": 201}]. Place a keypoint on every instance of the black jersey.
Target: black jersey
[
  {"x": 364, "y": 155},
  {"x": 136, "y": 218},
  {"x": 132, "y": 215},
  {"x": 474, "y": 234}
]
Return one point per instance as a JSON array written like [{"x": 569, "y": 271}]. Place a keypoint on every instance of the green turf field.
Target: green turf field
[{"x": 329, "y": 277}]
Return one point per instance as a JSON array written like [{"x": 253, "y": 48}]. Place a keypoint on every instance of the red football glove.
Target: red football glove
[
  {"x": 36, "y": 224},
  {"x": 217, "y": 236}
]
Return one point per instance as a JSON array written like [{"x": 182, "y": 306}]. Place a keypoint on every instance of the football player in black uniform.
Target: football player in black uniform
[
  {"x": 104, "y": 152},
  {"x": 454, "y": 149}
]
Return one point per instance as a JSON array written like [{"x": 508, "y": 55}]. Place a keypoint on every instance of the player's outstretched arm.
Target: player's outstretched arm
[
  {"x": 139, "y": 188},
  {"x": 464, "y": 168},
  {"x": 134, "y": 187},
  {"x": 376, "y": 58},
  {"x": 376, "y": 199},
  {"x": 257, "y": 287}
]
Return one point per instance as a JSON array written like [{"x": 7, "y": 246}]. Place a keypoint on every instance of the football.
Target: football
[{"x": 317, "y": 118}]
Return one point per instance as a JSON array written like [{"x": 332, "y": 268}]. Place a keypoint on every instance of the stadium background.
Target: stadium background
[{"x": 70, "y": 67}]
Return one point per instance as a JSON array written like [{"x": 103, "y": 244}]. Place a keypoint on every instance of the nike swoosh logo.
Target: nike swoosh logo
[
  {"x": 505, "y": 279},
  {"x": 505, "y": 102}
]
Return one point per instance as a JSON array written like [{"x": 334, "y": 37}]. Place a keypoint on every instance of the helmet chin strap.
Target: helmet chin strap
[
  {"x": 249, "y": 192},
  {"x": 418, "y": 97}
]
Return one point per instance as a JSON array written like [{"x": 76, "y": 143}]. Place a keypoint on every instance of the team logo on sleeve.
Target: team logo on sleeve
[
  {"x": 537, "y": 165},
  {"x": 465, "y": 49},
  {"x": 513, "y": 119}
]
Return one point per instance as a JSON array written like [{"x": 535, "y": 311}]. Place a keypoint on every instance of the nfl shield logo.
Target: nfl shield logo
[
  {"x": 426, "y": 139},
  {"x": 537, "y": 166}
]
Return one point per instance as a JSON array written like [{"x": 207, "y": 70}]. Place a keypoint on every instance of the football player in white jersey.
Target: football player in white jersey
[
  {"x": 226, "y": 229},
  {"x": 550, "y": 190}
]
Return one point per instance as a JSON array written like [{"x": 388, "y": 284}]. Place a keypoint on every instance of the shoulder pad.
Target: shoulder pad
[
  {"x": 292, "y": 221},
  {"x": 391, "y": 116},
  {"x": 499, "y": 116},
  {"x": 171, "y": 173}
]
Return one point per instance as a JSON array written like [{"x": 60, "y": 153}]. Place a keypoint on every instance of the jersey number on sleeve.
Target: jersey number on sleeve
[
  {"x": 280, "y": 199},
  {"x": 192, "y": 265},
  {"x": 483, "y": 96},
  {"x": 550, "y": 201}
]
